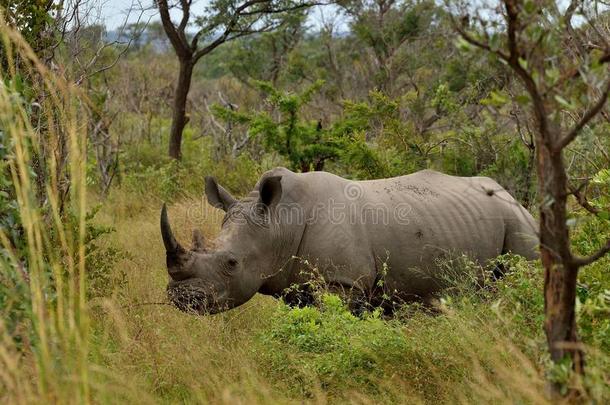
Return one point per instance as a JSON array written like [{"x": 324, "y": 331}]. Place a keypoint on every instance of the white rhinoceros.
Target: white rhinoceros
[{"x": 354, "y": 233}]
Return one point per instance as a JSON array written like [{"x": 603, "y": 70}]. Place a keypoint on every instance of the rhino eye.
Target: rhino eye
[{"x": 232, "y": 262}]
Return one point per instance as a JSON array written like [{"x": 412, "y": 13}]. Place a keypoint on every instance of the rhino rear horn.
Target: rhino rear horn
[
  {"x": 170, "y": 242},
  {"x": 198, "y": 241}
]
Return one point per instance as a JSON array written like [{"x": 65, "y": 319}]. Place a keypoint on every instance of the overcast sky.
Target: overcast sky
[{"x": 114, "y": 12}]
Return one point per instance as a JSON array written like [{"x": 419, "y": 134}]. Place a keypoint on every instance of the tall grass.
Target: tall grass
[{"x": 51, "y": 364}]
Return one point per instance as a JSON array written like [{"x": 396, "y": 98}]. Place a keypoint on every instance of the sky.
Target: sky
[{"x": 114, "y": 13}]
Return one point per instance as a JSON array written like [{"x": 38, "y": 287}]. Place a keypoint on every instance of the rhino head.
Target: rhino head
[{"x": 217, "y": 276}]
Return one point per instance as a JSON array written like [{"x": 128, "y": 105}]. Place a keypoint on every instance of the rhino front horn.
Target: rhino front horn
[{"x": 171, "y": 244}]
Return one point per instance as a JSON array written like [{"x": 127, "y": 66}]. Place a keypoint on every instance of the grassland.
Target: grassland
[{"x": 487, "y": 346}]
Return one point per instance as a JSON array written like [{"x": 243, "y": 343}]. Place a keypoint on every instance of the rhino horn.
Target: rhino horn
[
  {"x": 198, "y": 241},
  {"x": 170, "y": 242}
]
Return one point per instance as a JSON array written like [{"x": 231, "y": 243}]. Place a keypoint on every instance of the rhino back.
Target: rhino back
[{"x": 409, "y": 223}]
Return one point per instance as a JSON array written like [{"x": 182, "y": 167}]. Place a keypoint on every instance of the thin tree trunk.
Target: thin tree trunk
[
  {"x": 179, "y": 118},
  {"x": 560, "y": 273},
  {"x": 560, "y": 323}
]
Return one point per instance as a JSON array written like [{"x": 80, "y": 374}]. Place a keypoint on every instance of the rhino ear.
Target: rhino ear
[
  {"x": 270, "y": 190},
  {"x": 217, "y": 196}
]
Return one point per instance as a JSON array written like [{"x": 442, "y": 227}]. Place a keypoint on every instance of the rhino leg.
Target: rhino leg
[
  {"x": 521, "y": 239},
  {"x": 298, "y": 296}
]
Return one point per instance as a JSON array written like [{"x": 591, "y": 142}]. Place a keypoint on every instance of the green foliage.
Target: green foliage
[
  {"x": 601, "y": 181},
  {"x": 15, "y": 257},
  {"x": 101, "y": 257},
  {"x": 396, "y": 150},
  {"x": 594, "y": 319},
  {"x": 327, "y": 347},
  {"x": 456, "y": 75},
  {"x": 13, "y": 248},
  {"x": 386, "y": 30},
  {"x": 331, "y": 346},
  {"x": 31, "y": 18},
  {"x": 305, "y": 144},
  {"x": 162, "y": 180},
  {"x": 239, "y": 174},
  {"x": 590, "y": 233},
  {"x": 148, "y": 172},
  {"x": 519, "y": 293},
  {"x": 444, "y": 100},
  {"x": 10, "y": 223},
  {"x": 261, "y": 57},
  {"x": 364, "y": 161}
]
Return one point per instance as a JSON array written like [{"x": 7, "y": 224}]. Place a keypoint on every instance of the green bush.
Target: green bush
[
  {"x": 330, "y": 346},
  {"x": 169, "y": 179},
  {"x": 101, "y": 259},
  {"x": 14, "y": 279}
]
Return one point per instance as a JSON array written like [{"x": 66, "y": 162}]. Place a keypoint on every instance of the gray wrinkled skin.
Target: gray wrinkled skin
[{"x": 352, "y": 232}]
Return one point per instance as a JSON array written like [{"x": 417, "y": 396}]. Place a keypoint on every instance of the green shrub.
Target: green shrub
[
  {"x": 14, "y": 278},
  {"x": 330, "y": 346},
  {"x": 589, "y": 234},
  {"x": 169, "y": 179},
  {"x": 162, "y": 181},
  {"x": 520, "y": 295},
  {"x": 101, "y": 259}
]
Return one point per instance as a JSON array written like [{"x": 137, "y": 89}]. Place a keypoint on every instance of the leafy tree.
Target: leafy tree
[
  {"x": 565, "y": 93},
  {"x": 264, "y": 57},
  {"x": 305, "y": 144},
  {"x": 223, "y": 21},
  {"x": 386, "y": 27},
  {"x": 31, "y": 18}
]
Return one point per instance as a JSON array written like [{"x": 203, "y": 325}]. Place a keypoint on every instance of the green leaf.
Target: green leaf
[
  {"x": 494, "y": 42},
  {"x": 565, "y": 103},
  {"x": 496, "y": 99},
  {"x": 523, "y": 63},
  {"x": 522, "y": 99},
  {"x": 463, "y": 45},
  {"x": 552, "y": 74}
]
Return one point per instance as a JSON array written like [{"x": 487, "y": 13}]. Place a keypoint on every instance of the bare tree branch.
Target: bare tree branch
[
  {"x": 179, "y": 46},
  {"x": 582, "y": 199},
  {"x": 513, "y": 59},
  {"x": 583, "y": 261},
  {"x": 479, "y": 44},
  {"x": 186, "y": 13}
]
